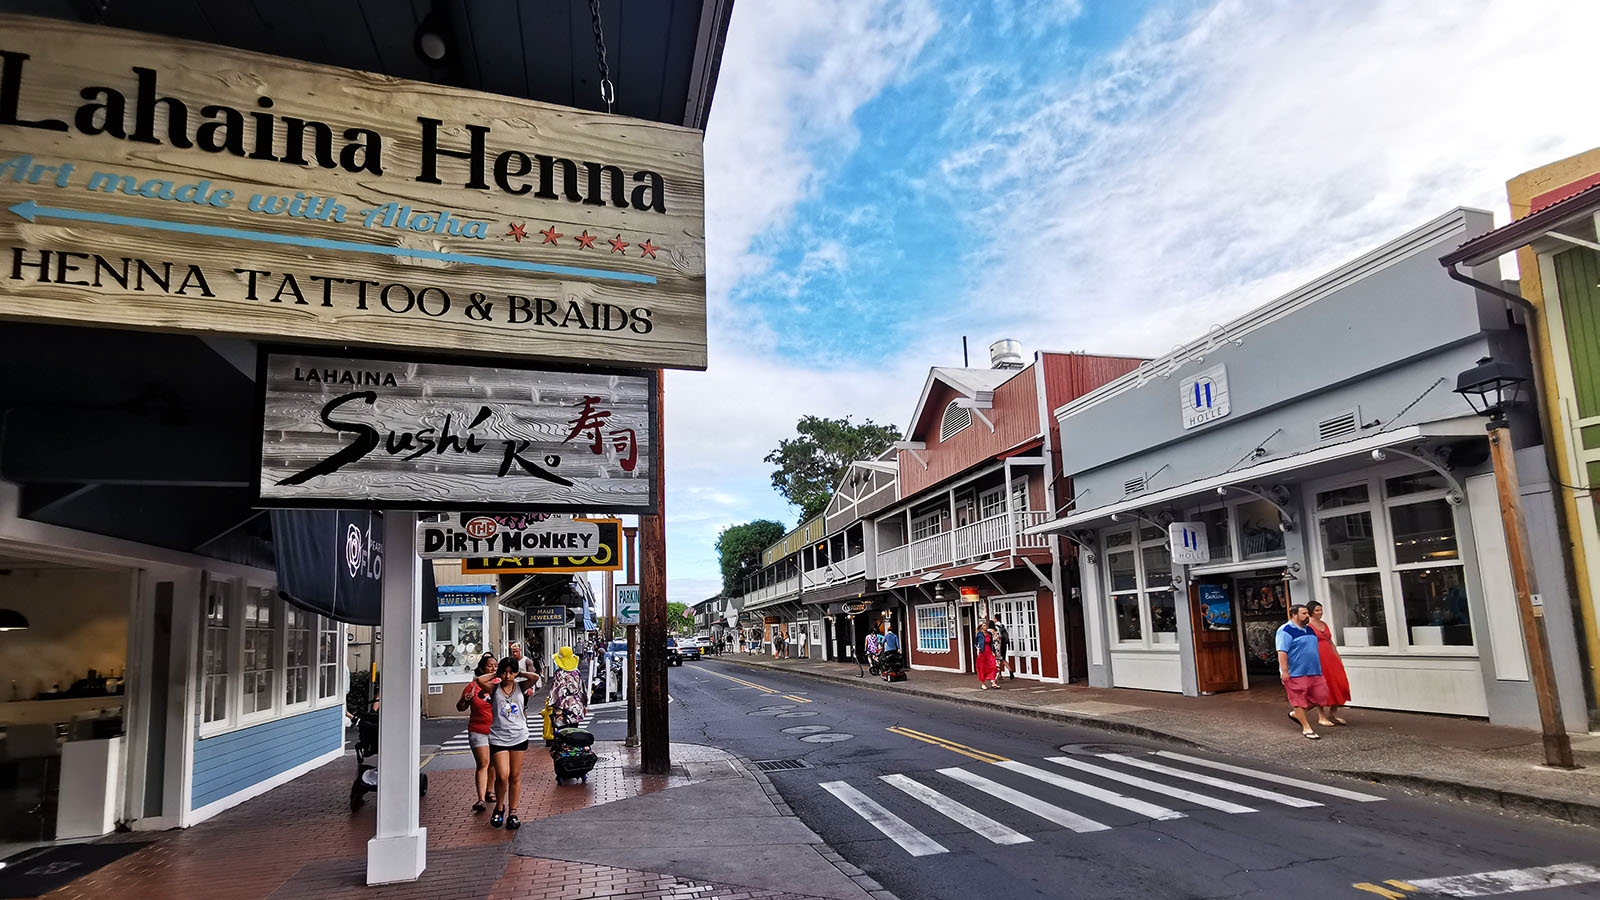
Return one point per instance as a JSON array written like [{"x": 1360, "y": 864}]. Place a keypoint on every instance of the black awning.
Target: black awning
[
  {"x": 330, "y": 562},
  {"x": 849, "y": 590}
]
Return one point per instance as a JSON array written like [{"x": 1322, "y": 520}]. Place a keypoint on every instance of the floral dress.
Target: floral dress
[{"x": 567, "y": 694}]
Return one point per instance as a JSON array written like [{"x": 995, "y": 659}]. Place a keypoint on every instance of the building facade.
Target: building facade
[{"x": 1314, "y": 456}]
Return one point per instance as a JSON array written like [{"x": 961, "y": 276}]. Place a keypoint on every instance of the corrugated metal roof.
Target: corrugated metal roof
[{"x": 1525, "y": 230}]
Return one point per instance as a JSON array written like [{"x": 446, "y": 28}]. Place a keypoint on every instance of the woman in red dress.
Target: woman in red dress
[
  {"x": 1332, "y": 667},
  {"x": 988, "y": 669}
]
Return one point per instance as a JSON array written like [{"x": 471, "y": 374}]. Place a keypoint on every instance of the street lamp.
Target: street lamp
[{"x": 1490, "y": 388}]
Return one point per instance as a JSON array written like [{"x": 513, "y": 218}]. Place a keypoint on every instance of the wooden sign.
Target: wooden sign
[
  {"x": 412, "y": 434},
  {"x": 153, "y": 183},
  {"x": 483, "y": 536},
  {"x": 607, "y": 558}
]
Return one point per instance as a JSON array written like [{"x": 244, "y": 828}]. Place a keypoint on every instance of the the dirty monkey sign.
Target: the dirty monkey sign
[{"x": 421, "y": 435}]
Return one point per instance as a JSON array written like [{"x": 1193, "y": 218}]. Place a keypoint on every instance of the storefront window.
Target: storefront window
[
  {"x": 1124, "y": 574},
  {"x": 328, "y": 647},
  {"x": 296, "y": 655},
  {"x": 1260, "y": 529},
  {"x": 1390, "y": 553},
  {"x": 214, "y": 699},
  {"x": 1356, "y": 603},
  {"x": 458, "y": 642},
  {"x": 933, "y": 628},
  {"x": 1218, "y": 538},
  {"x": 1129, "y": 628},
  {"x": 260, "y": 651},
  {"x": 1141, "y": 587}
]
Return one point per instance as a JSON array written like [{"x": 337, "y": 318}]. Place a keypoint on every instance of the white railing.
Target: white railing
[
  {"x": 987, "y": 537},
  {"x": 771, "y": 591}
]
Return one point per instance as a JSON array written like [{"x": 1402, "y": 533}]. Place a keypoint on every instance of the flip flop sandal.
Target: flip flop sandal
[
  {"x": 498, "y": 819},
  {"x": 1339, "y": 721},
  {"x": 477, "y": 806},
  {"x": 1311, "y": 735},
  {"x": 488, "y": 797}
]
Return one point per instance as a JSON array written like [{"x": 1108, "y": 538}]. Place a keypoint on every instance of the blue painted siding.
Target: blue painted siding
[{"x": 232, "y": 762}]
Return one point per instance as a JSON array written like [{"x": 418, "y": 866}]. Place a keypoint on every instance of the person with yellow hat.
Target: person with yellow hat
[{"x": 567, "y": 695}]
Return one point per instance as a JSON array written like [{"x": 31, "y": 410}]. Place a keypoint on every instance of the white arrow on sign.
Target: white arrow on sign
[{"x": 627, "y": 604}]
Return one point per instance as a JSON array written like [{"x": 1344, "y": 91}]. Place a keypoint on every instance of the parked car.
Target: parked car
[
  {"x": 674, "y": 652},
  {"x": 690, "y": 648}
]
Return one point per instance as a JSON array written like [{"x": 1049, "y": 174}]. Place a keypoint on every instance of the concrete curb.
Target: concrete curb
[
  {"x": 846, "y": 868},
  {"x": 1511, "y": 801}
]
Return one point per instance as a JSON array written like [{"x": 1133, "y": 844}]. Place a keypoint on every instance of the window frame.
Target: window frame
[
  {"x": 1142, "y": 590},
  {"x": 1236, "y": 561},
  {"x": 310, "y": 667},
  {"x": 326, "y": 625},
  {"x": 1378, "y": 505},
  {"x": 948, "y": 616},
  {"x": 273, "y": 709},
  {"x": 227, "y": 592},
  {"x": 936, "y": 518}
]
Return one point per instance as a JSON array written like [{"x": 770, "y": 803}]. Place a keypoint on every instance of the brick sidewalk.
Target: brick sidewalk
[{"x": 302, "y": 840}]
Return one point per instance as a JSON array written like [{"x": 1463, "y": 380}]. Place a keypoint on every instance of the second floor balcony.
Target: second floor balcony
[{"x": 997, "y": 535}]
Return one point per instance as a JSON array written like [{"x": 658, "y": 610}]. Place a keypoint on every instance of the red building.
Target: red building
[{"x": 978, "y": 466}]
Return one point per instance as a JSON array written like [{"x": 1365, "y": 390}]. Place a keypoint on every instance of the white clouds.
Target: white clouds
[
  {"x": 1211, "y": 163},
  {"x": 793, "y": 76}
]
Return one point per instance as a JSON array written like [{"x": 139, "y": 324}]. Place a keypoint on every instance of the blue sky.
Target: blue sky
[{"x": 885, "y": 176}]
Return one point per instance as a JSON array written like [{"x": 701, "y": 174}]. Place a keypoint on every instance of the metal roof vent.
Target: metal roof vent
[
  {"x": 1133, "y": 485},
  {"x": 1006, "y": 354},
  {"x": 956, "y": 419},
  {"x": 1342, "y": 425}
]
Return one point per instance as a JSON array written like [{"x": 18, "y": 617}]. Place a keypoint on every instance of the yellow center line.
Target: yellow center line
[
  {"x": 1402, "y": 885},
  {"x": 795, "y": 699},
  {"x": 1371, "y": 888},
  {"x": 741, "y": 681},
  {"x": 952, "y": 746}
]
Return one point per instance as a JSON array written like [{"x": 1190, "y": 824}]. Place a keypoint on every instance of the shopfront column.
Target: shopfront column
[{"x": 399, "y": 851}]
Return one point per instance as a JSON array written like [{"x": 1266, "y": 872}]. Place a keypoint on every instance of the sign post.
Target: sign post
[
  {"x": 633, "y": 637},
  {"x": 656, "y": 758}
]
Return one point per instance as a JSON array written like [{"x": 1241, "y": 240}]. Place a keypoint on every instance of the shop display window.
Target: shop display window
[
  {"x": 262, "y": 658},
  {"x": 297, "y": 655},
  {"x": 456, "y": 645},
  {"x": 1242, "y": 531},
  {"x": 329, "y": 684},
  {"x": 1391, "y": 567},
  {"x": 1142, "y": 602},
  {"x": 260, "y": 651},
  {"x": 933, "y": 628},
  {"x": 215, "y": 652}
]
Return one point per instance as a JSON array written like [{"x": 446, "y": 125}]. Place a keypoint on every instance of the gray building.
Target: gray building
[{"x": 1317, "y": 450}]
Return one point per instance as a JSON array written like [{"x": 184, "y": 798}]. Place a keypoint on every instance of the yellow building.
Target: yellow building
[{"x": 1554, "y": 233}]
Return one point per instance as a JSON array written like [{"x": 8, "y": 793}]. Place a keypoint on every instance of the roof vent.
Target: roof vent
[
  {"x": 956, "y": 418},
  {"x": 1133, "y": 485},
  {"x": 1342, "y": 425},
  {"x": 1006, "y": 354}
]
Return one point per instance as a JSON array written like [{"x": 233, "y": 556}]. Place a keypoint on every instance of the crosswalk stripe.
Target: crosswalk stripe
[
  {"x": 1043, "y": 810},
  {"x": 1226, "y": 806},
  {"x": 1131, "y": 804},
  {"x": 1226, "y": 785},
  {"x": 893, "y": 827},
  {"x": 963, "y": 815},
  {"x": 1299, "y": 785}
]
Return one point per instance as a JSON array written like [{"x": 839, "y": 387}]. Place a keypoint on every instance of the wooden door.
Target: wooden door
[{"x": 1216, "y": 638}]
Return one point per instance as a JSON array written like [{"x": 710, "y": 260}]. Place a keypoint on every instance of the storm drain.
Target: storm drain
[{"x": 781, "y": 765}]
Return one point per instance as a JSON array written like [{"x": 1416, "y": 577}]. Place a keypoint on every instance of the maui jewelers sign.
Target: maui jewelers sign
[
  {"x": 413, "y": 434},
  {"x": 152, "y": 183}
]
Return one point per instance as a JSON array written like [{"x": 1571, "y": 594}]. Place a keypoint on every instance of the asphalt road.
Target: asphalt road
[{"x": 1115, "y": 820}]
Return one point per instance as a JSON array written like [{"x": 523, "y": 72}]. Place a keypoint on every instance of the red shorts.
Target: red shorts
[{"x": 1307, "y": 691}]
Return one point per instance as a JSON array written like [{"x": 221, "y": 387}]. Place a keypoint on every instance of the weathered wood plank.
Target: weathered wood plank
[{"x": 587, "y": 311}]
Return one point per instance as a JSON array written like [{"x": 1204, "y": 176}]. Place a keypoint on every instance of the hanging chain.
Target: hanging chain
[{"x": 608, "y": 91}]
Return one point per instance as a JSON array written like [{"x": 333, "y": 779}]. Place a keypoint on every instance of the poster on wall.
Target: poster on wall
[
  {"x": 413, "y": 434},
  {"x": 149, "y": 182},
  {"x": 1216, "y": 607}
]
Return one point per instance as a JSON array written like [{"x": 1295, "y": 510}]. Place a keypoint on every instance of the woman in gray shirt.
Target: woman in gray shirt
[{"x": 508, "y": 738}]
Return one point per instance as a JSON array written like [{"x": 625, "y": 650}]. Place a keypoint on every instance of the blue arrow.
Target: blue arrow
[{"x": 30, "y": 211}]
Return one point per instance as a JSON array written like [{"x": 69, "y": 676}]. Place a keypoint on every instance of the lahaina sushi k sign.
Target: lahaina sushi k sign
[
  {"x": 405, "y": 433},
  {"x": 148, "y": 182}
]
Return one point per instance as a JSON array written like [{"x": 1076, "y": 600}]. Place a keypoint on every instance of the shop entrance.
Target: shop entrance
[
  {"x": 1020, "y": 615},
  {"x": 1214, "y": 614},
  {"x": 1263, "y": 605}
]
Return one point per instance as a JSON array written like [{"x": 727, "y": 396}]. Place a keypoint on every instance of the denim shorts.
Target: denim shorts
[{"x": 476, "y": 740}]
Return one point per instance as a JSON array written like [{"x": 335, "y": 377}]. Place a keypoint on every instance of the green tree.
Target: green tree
[
  {"x": 678, "y": 618},
  {"x": 809, "y": 465},
  {"x": 739, "y": 551}
]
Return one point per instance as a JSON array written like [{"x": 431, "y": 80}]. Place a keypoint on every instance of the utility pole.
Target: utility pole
[
  {"x": 1557, "y": 745},
  {"x": 656, "y": 755},
  {"x": 632, "y": 740}
]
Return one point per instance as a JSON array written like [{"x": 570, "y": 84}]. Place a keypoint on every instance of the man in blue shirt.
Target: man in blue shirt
[
  {"x": 891, "y": 641},
  {"x": 1300, "y": 667}
]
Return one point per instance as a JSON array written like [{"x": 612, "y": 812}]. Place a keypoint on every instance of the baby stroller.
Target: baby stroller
[
  {"x": 570, "y": 749},
  {"x": 891, "y": 665},
  {"x": 367, "y": 774}
]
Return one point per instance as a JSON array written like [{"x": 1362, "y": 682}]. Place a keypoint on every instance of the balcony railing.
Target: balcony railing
[{"x": 986, "y": 537}]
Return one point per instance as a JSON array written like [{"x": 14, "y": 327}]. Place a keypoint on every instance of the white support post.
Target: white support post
[{"x": 399, "y": 850}]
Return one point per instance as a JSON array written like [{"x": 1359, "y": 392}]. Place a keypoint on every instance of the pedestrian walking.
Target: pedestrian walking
[
  {"x": 1332, "y": 667},
  {"x": 475, "y": 702},
  {"x": 1300, "y": 668},
  {"x": 1002, "y": 648},
  {"x": 983, "y": 647},
  {"x": 527, "y": 667},
  {"x": 508, "y": 739},
  {"x": 567, "y": 696}
]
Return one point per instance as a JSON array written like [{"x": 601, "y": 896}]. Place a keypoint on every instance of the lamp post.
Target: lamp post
[{"x": 1490, "y": 387}]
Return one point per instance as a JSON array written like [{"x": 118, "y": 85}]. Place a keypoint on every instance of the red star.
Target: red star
[
  {"x": 550, "y": 235},
  {"x": 518, "y": 231},
  {"x": 648, "y": 249},
  {"x": 585, "y": 240},
  {"x": 618, "y": 245}
]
